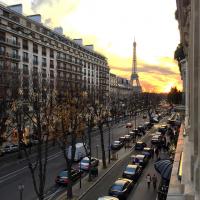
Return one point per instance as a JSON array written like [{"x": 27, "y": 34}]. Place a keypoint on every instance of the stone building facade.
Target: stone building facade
[
  {"x": 28, "y": 48},
  {"x": 188, "y": 16}
]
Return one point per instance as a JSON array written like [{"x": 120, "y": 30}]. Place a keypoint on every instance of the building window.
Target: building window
[
  {"x": 51, "y": 53},
  {"x": 44, "y": 62},
  {"x": 43, "y": 51},
  {"x": 44, "y": 75},
  {"x": 25, "y": 70},
  {"x": 2, "y": 50},
  {"x": 51, "y": 74},
  {"x": 2, "y": 36},
  {"x": 35, "y": 60},
  {"x": 28, "y": 24},
  {"x": 51, "y": 64},
  {"x": 25, "y": 44},
  {"x": 25, "y": 57},
  {"x": 35, "y": 48}
]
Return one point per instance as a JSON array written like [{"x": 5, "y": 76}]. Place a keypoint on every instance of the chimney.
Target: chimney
[
  {"x": 36, "y": 18},
  {"x": 58, "y": 30},
  {"x": 90, "y": 47},
  {"x": 79, "y": 41}
]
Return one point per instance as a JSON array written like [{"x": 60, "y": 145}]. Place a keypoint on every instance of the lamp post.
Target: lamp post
[{"x": 21, "y": 189}]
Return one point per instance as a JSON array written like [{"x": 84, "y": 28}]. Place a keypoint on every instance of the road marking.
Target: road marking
[{"x": 17, "y": 172}]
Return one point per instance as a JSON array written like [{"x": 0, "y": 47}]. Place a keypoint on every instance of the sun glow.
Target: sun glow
[{"x": 168, "y": 87}]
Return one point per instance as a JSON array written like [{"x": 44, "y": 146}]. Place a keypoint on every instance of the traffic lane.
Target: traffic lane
[
  {"x": 53, "y": 168},
  {"x": 102, "y": 187},
  {"x": 115, "y": 134}
]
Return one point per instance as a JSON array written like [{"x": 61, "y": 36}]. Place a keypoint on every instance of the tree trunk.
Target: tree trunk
[
  {"x": 102, "y": 145},
  {"x": 90, "y": 153}
]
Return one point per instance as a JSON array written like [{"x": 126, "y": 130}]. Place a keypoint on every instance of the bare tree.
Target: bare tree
[{"x": 69, "y": 126}]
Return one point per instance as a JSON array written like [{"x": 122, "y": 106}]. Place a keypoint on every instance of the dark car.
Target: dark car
[
  {"x": 132, "y": 172},
  {"x": 140, "y": 145},
  {"x": 128, "y": 138},
  {"x": 156, "y": 140},
  {"x": 162, "y": 129},
  {"x": 121, "y": 188},
  {"x": 84, "y": 163},
  {"x": 139, "y": 159},
  {"x": 147, "y": 151},
  {"x": 116, "y": 145},
  {"x": 62, "y": 178},
  {"x": 148, "y": 125},
  {"x": 122, "y": 139}
]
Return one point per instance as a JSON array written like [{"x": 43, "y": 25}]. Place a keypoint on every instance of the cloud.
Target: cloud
[
  {"x": 35, "y": 4},
  {"x": 48, "y": 21},
  {"x": 156, "y": 69}
]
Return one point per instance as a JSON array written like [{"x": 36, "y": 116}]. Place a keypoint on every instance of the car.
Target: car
[
  {"x": 147, "y": 151},
  {"x": 132, "y": 172},
  {"x": 62, "y": 178},
  {"x": 156, "y": 139},
  {"x": 140, "y": 145},
  {"x": 10, "y": 148},
  {"x": 107, "y": 198},
  {"x": 129, "y": 125},
  {"x": 148, "y": 125},
  {"x": 84, "y": 163},
  {"x": 162, "y": 129},
  {"x": 139, "y": 159},
  {"x": 121, "y": 188},
  {"x": 127, "y": 138},
  {"x": 116, "y": 145},
  {"x": 122, "y": 139}
]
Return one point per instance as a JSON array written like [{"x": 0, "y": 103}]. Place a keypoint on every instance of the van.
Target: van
[{"x": 79, "y": 153}]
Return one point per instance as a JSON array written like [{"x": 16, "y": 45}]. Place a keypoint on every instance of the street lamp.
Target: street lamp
[{"x": 21, "y": 189}]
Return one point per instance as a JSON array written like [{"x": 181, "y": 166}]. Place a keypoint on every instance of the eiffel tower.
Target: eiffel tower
[{"x": 135, "y": 83}]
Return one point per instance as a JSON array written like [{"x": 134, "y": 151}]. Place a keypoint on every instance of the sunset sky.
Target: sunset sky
[{"x": 111, "y": 26}]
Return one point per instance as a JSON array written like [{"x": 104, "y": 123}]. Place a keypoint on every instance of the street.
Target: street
[
  {"x": 140, "y": 190},
  {"x": 18, "y": 172}
]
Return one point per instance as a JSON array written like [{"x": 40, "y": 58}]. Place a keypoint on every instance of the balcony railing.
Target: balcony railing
[
  {"x": 10, "y": 42},
  {"x": 10, "y": 55}
]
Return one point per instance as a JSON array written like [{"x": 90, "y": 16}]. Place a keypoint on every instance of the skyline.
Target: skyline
[{"x": 112, "y": 25}]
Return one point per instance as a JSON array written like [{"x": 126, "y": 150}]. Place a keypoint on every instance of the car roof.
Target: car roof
[
  {"x": 139, "y": 142},
  {"x": 147, "y": 148},
  {"x": 108, "y": 198},
  {"x": 132, "y": 166},
  {"x": 140, "y": 156},
  {"x": 122, "y": 181}
]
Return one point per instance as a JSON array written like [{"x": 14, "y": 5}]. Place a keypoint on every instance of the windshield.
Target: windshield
[
  {"x": 117, "y": 187},
  {"x": 84, "y": 161},
  {"x": 64, "y": 174},
  {"x": 130, "y": 169}
]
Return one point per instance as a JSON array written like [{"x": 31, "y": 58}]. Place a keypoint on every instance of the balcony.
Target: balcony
[
  {"x": 6, "y": 55},
  {"x": 10, "y": 42},
  {"x": 25, "y": 59}
]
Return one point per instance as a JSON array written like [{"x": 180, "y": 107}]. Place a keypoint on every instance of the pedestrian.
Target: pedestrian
[
  {"x": 148, "y": 179},
  {"x": 157, "y": 152},
  {"x": 154, "y": 180},
  {"x": 152, "y": 153}
]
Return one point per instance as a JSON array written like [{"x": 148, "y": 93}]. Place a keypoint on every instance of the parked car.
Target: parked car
[
  {"x": 139, "y": 159},
  {"x": 62, "y": 178},
  {"x": 129, "y": 125},
  {"x": 148, "y": 125},
  {"x": 84, "y": 163},
  {"x": 116, "y": 145},
  {"x": 156, "y": 139},
  {"x": 9, "y": 148},
  {"x": 147, "y": 151},
  {"x": 127, "y": 138},
  {"x": 121, "y": 188},
  {"x": 107, "y": 198},
  {"x": 122, "y": 139},
  {"x": 132, "y": 172},
  {"x": 140, "y": 145},
  {"x": 132, "y": 134},
  {"x": 144, "y": 116},
  {"x": 162, "y": 129}
]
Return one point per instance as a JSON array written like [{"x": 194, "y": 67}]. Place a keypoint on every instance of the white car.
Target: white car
[{"x": 84, "y": 163}]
